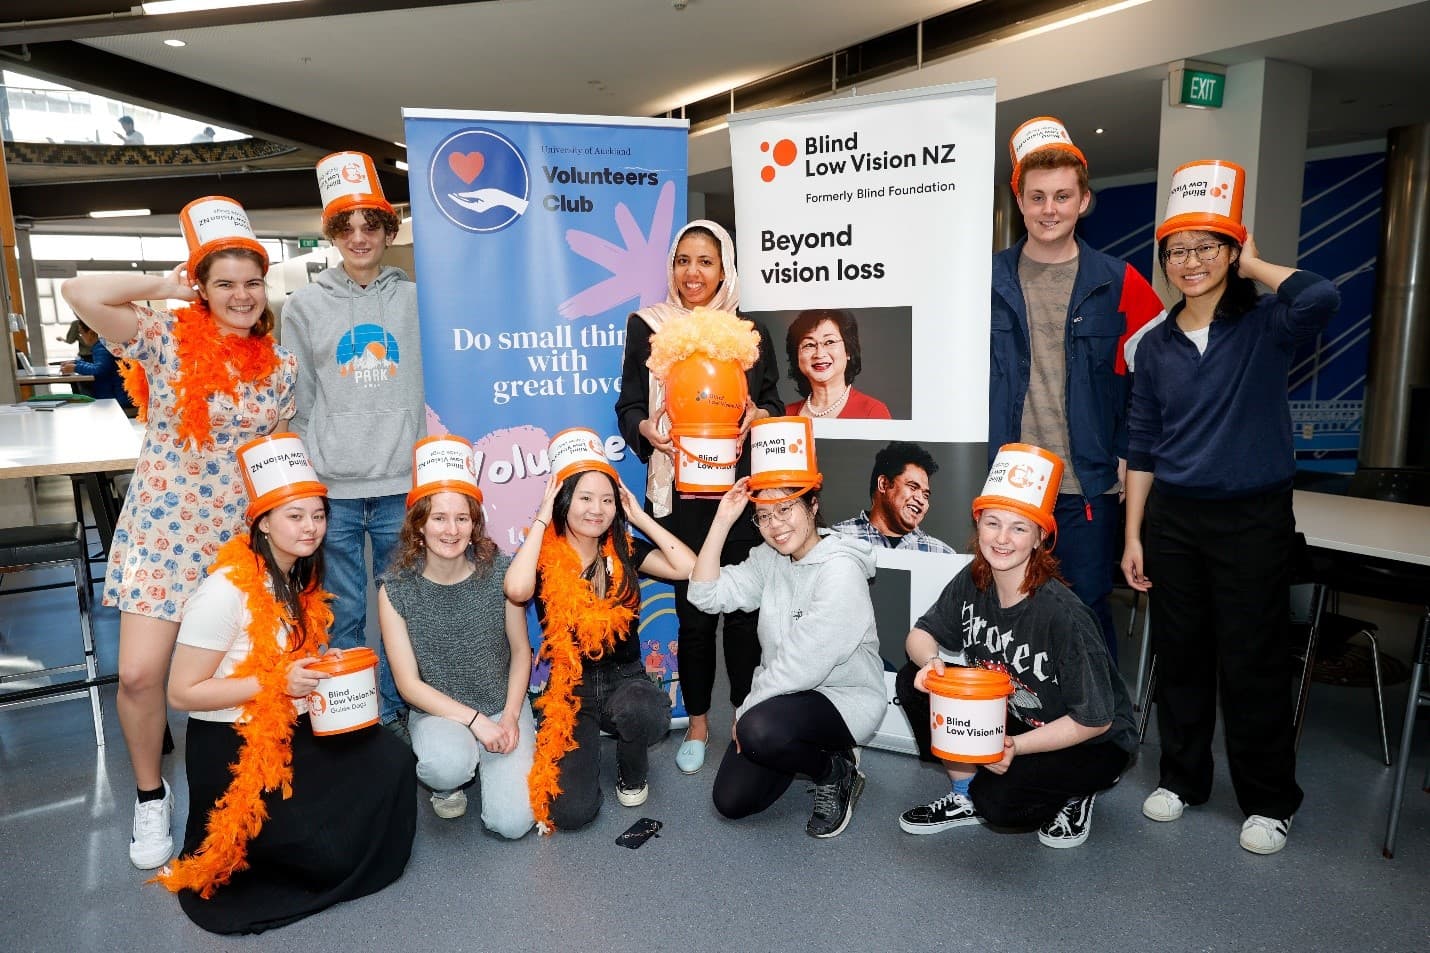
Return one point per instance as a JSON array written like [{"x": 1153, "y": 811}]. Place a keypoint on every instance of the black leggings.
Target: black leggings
[{"x": 779, "y": 738}]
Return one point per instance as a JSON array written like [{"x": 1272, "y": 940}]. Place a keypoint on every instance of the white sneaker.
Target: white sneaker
[
  {"x": 1163, "y": 805},
  {"x": 631, "y": 797},
  {"x": 449, "y": 804},
  {"x": 1264, "y": 835},
  {"x": 152, "y": 843}
]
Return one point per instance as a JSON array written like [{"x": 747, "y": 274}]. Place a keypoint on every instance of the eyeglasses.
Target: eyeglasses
[
  {"x": 1211, "y": 251},
  {"x": 780, "y": 512},
  {"x": 829, "y": 344}
]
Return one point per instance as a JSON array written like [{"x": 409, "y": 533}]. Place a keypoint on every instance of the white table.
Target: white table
[{"x": 1394, "y": 531}]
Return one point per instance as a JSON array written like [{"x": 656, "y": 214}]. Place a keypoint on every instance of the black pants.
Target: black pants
[
  {"x": 1220, "y": 571},
  {"x": 620, "y": 700},
  {"x": 1035, "y": 786},
  {"x": 689, "y": 521},
  {"x": 779, "y": 738}
]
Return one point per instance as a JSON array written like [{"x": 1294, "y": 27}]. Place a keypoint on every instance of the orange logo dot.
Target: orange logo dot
[
  {"x": 768, "y": 173},
  {"x": 938, "y": 721},
  {"x": 784, "y": 152}
]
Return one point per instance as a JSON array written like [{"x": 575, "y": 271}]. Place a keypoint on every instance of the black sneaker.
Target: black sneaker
[
  {"x": 1071, "y": 825},
  {"x": 834, "y": 802},
  {"x": 951, "y": 810}
]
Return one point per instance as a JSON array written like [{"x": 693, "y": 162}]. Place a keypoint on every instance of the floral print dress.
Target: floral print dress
[{"x": 183, "y": 503}]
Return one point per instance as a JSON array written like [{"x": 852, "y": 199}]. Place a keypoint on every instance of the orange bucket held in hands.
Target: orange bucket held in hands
[
  {"x": 1206, "y": 196},
  {"x": 782, "y": 455},
  {"x": 968, "y": 713},
  {"x": 705, "y": 400},
  {"x": 347, "y": 699}
]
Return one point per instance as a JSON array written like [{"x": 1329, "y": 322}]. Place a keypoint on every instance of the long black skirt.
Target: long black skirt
[{"x": 346, "y": 832}]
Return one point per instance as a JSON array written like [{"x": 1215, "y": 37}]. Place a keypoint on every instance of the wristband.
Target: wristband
[
  {"x": 537, "y": 519},
  {"x": 475, "y": 716}
]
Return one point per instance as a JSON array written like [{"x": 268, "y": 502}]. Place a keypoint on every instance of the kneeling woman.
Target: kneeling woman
[
  {"x": 581, "y": 568},
  {"x": 1069, "y": 731},
  {"x": 458, "y": 648},
  {"x": 819, "y": 690},
  {"x": 282, "y": 823}
]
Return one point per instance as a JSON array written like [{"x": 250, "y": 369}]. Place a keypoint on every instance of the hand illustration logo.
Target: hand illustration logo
[
  {"x": 637, "y": 271},
  {"x": 460, "y": 161}
]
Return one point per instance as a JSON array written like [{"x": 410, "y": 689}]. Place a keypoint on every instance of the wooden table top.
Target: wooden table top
[
  {"x": 71, "y": 438},
  {"x": 1397, "y": 531}
]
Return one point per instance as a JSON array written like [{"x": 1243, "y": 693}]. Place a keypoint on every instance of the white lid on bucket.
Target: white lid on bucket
[
  {"x": 277, "y": 469},
  {"x": 348, "y": 180},
  {"x": 441, "y": 464},
  {"x": 576, "y": 450}
]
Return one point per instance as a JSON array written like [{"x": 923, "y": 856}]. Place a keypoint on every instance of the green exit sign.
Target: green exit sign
[
  {"x": 1200, "y": 85},
  {"x": 313, "y": 242}
]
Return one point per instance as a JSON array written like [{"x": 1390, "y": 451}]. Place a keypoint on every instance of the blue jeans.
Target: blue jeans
[
  {"x": 346, "y": 577},
  {"x": 1086, "y": 550},
  {"x": 448, "y": 757}
]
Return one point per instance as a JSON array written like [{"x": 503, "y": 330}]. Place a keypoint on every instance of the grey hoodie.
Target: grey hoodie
[
  {"x": 816, "y": 625},
  {"x": 360, "y": 404}
]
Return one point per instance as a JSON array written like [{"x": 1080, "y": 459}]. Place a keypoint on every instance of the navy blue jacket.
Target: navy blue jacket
[
  {"x": 105, "y": 370},
  {"x": 1217, "y": 425},
  {"x": 1110, "y": 303}
]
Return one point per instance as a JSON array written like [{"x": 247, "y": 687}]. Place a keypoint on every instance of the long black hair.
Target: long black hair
[
  {"x": 1240, "y": 294},
  {"x": 305, "y": 576},
  {"x": 619, "y": 532}
]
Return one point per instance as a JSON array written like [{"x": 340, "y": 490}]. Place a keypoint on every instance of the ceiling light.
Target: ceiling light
[
  {"x": 171, "y": 41},
  {"x": 120, "y": 213},
  {"x": 400, "y": 145},
  {"x": 1098, "y": 130},
  {"x": 154, "y": 7},
  {"x": 402, "y": 166}
]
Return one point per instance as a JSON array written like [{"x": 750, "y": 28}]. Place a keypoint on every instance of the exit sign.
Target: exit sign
[
  {"x": 313, "y": 242},
  {"x": 1200, "y": 85}
]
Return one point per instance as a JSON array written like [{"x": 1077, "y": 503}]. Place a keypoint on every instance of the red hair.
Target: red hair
[{"x": 1042, "y": 565}]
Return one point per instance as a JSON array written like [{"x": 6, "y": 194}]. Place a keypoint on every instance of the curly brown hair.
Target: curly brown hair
[
  {"x": 1042, "y": 566},
  {"x": 264, "y": 325},
  {"x": 372, "y": 216},
  {"x": 410, "y": 555}
]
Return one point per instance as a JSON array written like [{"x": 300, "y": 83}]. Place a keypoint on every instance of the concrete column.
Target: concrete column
[{"x": 1261, "y": 126}]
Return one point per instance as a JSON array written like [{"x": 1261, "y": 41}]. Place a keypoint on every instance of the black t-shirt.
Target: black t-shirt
[
  {"x": 1049, "y": 644},
  {"x": 628, "y": 645}
]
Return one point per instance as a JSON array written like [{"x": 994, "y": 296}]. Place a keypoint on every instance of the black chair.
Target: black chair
[{"x": 29, "y": 547}]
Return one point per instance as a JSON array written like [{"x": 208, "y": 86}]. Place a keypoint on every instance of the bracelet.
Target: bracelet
[
  {"x": 475, "y": 716},
  {"x": 537, "y": 519}
]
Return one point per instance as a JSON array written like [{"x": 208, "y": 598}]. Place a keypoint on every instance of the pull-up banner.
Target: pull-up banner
[
  {"x": 864, "y": 231},
  {"x": 534, "y": 237}
]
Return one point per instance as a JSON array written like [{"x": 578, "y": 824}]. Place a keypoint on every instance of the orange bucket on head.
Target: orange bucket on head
[
  {"x": 347, "y": 699},
  {"x": 700, "y": 390},
  {"x": 782, "y": 455},
  {"x": 276, "y": 469},
  {"x": 1040, "y": 132},
  {"x": 705, "y": 457},
  {"x": 443, "y": 463},
  {"x": 1206, "y": 196},
  {"x": 968, "y": 713},
  {"x": 576, "y": 450},
  {"x": 1024, "y": 479},
  {"x": 215, "y": 223},
  {"x": 347, "y": 181}
]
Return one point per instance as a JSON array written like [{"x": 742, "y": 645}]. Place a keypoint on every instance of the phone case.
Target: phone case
[{"x": 640, "y": 832}]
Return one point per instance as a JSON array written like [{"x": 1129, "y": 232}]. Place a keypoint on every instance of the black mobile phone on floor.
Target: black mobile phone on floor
[{"x": 640, "y": 832}]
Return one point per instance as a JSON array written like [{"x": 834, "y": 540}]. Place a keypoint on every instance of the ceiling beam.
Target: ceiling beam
[
  {"x": 47, "y": 21},
  {"x": 284, "y": 188},
  {"x": 85, "y": 67}
]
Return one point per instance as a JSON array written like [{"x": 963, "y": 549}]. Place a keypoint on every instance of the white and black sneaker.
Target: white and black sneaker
[
  {"x": 951, "y": 810},
  {"x": 631, "y": 795},
  {"x": 1071, "y": 825},
  {"x": 834, "y": 802},
  {"x": 151, "y": 843}
]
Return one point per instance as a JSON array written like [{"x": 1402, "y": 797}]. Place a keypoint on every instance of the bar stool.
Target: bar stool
[{"x": 27, "y": 547}]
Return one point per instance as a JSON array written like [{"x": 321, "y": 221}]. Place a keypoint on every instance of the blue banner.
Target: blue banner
[{"x": 534, "y": 238}]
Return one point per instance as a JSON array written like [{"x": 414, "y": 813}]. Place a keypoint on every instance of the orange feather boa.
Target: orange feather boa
[
  {"x": 210, "y": 362},
  {"x": 577, "y": 624},
  {"x": 265, "y": 760}
]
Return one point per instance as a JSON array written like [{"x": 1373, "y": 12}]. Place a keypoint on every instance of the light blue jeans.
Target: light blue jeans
[
  {"x": 346, "y": 576},
  {"x": 449, "y": 756}
]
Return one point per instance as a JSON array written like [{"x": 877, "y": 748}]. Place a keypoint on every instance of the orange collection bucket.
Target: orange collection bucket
[
  {"x": 705, "y": 457},
  {"x": 968, "y": 713},
  {"x": 347, "y": 699},
  {"x": 276, "y": 468},
  {"x": 1206, "y": 195},
  {"x": 700, "y": 390},
  {"x": 215, "y": 223},
  {"x": 576, "y": 450},
  {"x": 782, "y": 455},
  {"x": 1024, "y": 479},
  {"x": 348, "y": 180}
]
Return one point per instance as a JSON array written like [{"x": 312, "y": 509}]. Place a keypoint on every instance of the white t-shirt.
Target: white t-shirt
[
  {"x": 1200, "y": 337},
  {"x": 217, "y": 618}
]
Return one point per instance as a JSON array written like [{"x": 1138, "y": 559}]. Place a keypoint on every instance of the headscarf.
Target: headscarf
[{"x": 660, "y": 473}]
